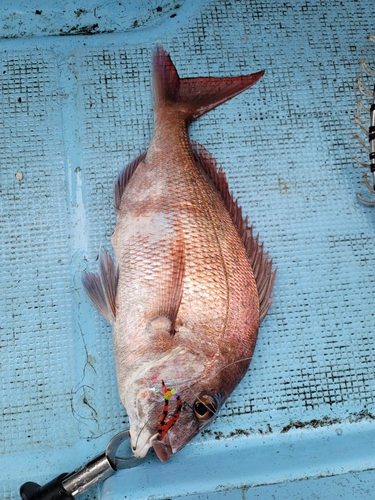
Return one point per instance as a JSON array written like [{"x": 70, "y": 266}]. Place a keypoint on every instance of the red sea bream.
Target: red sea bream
[{"x": 191, "y": 284}]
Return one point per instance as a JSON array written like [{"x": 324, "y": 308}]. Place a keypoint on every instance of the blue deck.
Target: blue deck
[{"x": 75, "y": 107}]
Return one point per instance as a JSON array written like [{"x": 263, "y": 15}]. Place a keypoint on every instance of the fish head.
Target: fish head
[
  {"x": 170, "y": 404},
  {"x": 198, "y": 412}
]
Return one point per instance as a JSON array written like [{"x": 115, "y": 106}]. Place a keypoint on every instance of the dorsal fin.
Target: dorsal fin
[
  {"x": 124, "y": 177},
  {"x": 260, "y": 262}
]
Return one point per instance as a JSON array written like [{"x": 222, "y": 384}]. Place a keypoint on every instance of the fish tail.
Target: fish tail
[{"x": 193, "y": 96}]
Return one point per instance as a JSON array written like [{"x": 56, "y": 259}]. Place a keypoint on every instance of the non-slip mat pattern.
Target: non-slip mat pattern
[
  {"x": 37, "y": 349},
  {"x": 287, "y": 149}
]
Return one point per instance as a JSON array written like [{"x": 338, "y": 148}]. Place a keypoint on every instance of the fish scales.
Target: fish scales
[{"x": 184, "y": 295}]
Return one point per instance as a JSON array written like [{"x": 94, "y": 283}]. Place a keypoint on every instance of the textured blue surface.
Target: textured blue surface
[{"x": 73, "y": 111}]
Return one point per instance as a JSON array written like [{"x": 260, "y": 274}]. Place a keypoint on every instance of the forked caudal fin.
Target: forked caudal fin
[{"x": 194, "y": 96}]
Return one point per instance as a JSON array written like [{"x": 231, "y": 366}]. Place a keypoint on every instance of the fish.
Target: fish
[{"x": 190, "y": 282}]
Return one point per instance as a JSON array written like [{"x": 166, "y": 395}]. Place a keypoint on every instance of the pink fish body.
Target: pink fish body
[{"x": 191, "y": 284}]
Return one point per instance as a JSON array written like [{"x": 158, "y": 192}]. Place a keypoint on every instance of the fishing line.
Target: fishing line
[{"x": 139, "y": 433}]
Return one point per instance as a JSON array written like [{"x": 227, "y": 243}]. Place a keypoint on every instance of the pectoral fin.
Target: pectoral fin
[{"x": 168, "y": 298}]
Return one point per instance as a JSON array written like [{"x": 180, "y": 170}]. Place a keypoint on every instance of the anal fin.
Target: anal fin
[
  {"x": 124, "y": 177},
  {"x": 101, "y": 288}
]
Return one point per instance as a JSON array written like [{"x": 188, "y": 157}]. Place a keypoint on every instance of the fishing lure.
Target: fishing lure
[
  {"x": 164, "y": 425},
  {"x": 370, "y": 131}
]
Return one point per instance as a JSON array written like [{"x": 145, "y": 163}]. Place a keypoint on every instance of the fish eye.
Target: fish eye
[{"x": 205, "y": 407}]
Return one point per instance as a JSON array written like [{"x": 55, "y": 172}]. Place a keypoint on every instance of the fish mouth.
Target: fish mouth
[
  {"x": 163, "y": 448},
  {"x": 142, "y": 452}
]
